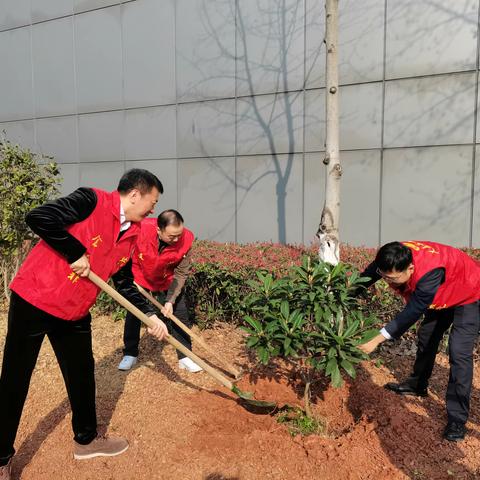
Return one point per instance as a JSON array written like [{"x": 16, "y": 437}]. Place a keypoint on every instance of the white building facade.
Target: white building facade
[{"x": 224, "y": 101}]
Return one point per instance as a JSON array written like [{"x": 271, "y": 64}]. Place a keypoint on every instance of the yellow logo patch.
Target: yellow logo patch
[
  {"x": 96, "y": 241},
  {"x": 417, "y": 246},
  {"x": 73, "y": 277},
  {"x": 123, "y": 261},
  {"x": 434, "y": 306}
]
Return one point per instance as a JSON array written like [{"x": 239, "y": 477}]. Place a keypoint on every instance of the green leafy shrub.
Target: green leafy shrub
[
  {"x": 311, "y": 319},
  {"x": 24, "y": 184},
  {"x": 217, "y": 293}
]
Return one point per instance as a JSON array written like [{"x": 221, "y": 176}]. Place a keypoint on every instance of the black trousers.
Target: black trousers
[
  {"x": 131, "y": 332},
  {"x": 72, "y": 344},
  {"x": 465, "y": 322}
]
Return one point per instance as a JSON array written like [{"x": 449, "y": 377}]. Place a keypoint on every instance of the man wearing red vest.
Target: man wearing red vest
[
  {"x": 443, "y": 284},
  {"x": 161, "y": 264},
  {"x": 51, "y": 296}
]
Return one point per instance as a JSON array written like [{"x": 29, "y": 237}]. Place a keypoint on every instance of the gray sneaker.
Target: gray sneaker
[
  {"x": 100, "y": 447},
  {"x": 127, "y": 362},
  {"x": 6, "y": 471}
]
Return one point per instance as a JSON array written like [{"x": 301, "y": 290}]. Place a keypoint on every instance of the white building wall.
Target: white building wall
[{"x": 224, "y": 100}]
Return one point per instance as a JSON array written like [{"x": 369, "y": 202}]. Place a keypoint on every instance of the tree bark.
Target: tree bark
[
  {"x": 329, "y": 250},
  {"x": 306, "y": 399}
]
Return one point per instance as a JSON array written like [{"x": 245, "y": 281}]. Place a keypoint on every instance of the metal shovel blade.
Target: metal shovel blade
[{"x": 254, "y": 406}]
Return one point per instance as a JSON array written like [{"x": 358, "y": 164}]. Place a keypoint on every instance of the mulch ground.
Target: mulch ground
[{"x": 185, "y": 426}]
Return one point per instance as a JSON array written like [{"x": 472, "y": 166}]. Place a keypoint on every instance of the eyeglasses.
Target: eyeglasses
[
  {"x": 173, "y": 237},
  {"x": 388, "y": 278},
  {"x": 169, "y": 237}
]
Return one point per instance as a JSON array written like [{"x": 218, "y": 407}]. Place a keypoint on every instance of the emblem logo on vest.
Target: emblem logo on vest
[
  {"x": 417, "y": 246},
  {"x": 122, "y": 261},
  {"x": 96, "y": 241},
  {"x": 433, "y": 306},
  {"x": 73, "y": 277}
]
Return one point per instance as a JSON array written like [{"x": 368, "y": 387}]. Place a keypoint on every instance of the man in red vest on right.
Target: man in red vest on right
[{"x": 443, "y": 284}]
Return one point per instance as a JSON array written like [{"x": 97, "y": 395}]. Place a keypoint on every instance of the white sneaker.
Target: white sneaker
[
  {"x": 127, "y": 362},
  {"x": 188, "y": 364}
]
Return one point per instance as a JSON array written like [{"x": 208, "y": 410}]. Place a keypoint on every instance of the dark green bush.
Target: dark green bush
[
  {"x": 216, "y": 293},
  {"x": 26, "y": 182}
]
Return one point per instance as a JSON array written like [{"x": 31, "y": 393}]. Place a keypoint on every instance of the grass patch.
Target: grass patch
[{"x": 299, "y": 423}]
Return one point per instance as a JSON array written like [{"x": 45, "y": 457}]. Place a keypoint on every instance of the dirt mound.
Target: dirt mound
[{"x": 371, "y": 432}]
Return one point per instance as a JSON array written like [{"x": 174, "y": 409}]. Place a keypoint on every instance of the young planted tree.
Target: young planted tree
[
  {"x": 329, "y": 249},
  {"x": 310, "y": 318},
  {"x": 24, "y": 185}
]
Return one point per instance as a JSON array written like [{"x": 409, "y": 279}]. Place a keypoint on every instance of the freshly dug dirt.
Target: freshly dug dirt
[{"x": 184, "y": 426}]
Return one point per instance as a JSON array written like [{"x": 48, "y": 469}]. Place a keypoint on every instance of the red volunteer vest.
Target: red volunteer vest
[
  {"x": 462, "y": 274},
  {"x": 45, "y": 278},
  {"x": 152, "y": 270}
]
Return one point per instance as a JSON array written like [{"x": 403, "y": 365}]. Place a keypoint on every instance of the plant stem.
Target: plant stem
[{"x": 306, "y": 398}]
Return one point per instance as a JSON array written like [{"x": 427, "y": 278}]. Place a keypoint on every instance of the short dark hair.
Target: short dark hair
[
  {"x": 141, "y": 179},
  {"x": 169, "y": 217},
  {"x": 393, "y": 256}
]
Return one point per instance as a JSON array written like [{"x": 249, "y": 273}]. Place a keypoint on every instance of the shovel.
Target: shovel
[
  {"x": 236, "y": 373},
  {"x": 246, "y": 398}
]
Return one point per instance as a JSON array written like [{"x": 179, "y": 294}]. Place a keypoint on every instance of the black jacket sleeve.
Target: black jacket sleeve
[
  {"x": 49, "y": 221},
  {"x": 420, "y": 300},
  {"x": 123, "y": 281}
]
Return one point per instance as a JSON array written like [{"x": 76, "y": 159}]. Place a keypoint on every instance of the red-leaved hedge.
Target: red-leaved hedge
[{"x": 274, "y": 257}]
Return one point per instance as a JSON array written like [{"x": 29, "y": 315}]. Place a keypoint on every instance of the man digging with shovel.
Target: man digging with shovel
[
  {"x": 160, "y": 264},
  {"x": 51, "y": 296}
]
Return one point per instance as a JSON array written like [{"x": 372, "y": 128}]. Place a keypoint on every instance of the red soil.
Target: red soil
[{"x": 183, "y": 425}]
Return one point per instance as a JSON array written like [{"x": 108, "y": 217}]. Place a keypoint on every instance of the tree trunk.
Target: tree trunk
[{"x": 329, "y": 250}]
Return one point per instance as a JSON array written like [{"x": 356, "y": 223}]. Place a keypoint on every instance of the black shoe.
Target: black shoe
[
  {"x": 406, "y": 388},
  {"x": 454, "y": 431}
]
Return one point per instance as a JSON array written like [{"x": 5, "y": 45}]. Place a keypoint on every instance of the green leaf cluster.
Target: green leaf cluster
[
  {"x": 217, "y": 293},
  {"x": 27, "y": 180},
  {"x": 310, "y": 316},
  {"x": 24, "y": 184}
]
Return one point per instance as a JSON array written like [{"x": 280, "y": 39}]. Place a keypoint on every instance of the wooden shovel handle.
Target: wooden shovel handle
[
  {"x": 145, "y": 319},
  {"x": 178, "y": 322}
]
